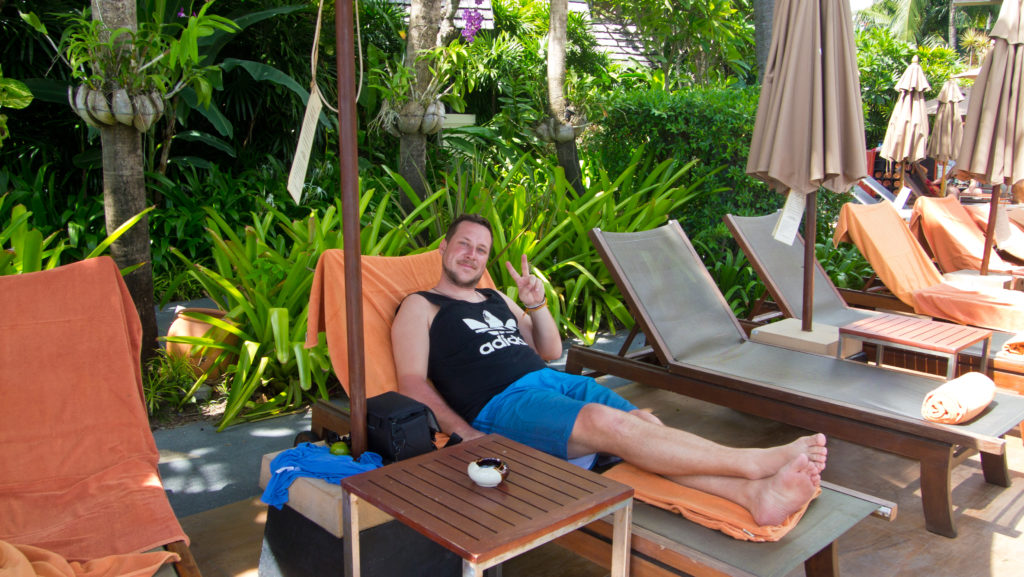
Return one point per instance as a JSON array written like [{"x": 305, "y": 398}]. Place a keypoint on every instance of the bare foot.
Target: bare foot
[
  {"x": 772, "y": 459},
  {"x": 776, "y": 498}
]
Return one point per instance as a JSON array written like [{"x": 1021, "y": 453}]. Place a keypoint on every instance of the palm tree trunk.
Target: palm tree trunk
[
  {"x": 952, "y": 25},
  {"x": 124, "y": 192},
  {"x": 568, "y": 157},
  {"x": 764, "y": 13}
]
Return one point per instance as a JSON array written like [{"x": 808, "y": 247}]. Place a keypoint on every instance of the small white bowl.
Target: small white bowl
[{"x": 488, "y": 472}]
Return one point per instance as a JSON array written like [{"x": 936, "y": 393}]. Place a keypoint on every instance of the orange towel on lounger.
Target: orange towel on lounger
[
  {"x": 28, "y": 561},
  {"x": 386, "y": 281},
  {"x": 78, "y": 471},
  {"x": 959, "y": 400},
  {"x": 947, "y": 230},
  {"x": 896, "y": 257},
  {"x": 702, "y": 508}
]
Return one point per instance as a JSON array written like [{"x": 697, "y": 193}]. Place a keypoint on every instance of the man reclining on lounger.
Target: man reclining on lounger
[{"x": 478, "y": 361}]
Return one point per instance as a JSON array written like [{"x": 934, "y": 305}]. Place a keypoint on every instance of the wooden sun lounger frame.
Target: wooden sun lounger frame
[
  {"x": 938, "y": 449},
  {"x": 651, "y": 554}
]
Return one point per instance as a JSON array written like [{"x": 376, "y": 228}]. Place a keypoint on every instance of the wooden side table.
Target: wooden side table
[
  {"x": 542, "y": 499},
  {"x": 919, "y": 335}
]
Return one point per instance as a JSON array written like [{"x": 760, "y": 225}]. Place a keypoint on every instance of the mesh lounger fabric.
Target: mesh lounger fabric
[{"x": 79, "y": 471}]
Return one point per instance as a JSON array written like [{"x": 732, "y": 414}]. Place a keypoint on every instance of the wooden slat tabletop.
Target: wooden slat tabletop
[
  {"x": 433, "y": 494},
  {"x": 936, "y": 336}
]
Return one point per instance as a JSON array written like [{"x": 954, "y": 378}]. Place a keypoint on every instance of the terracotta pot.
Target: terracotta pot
[{"x": 202, "y": 360}]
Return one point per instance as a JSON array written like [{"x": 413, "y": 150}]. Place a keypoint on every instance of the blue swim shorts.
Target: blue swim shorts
[{"x": 540, "y": 409}]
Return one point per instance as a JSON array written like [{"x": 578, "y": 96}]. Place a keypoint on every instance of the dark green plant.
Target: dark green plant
[
  {"x": 23, "y": 248},
  {"x": 168, "y": 383},
  {"x": 734, "y": 276},
  {"x": 714, "y": 125},
  {"x": 532, "y": 213},
  {"x": 262, "y": 276},
  {"x": 844, "y": 264}
]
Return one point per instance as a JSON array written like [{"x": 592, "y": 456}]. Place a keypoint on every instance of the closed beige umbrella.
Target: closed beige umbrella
[
  {"x": 906, "y": 138},
  {"x": 809, "y": 130},
  {"x": 948, "y": 126},
  {"x": 992, "y": 150}
]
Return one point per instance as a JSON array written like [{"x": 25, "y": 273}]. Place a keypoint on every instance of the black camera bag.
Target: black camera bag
[{"x": 399, "y": 427}]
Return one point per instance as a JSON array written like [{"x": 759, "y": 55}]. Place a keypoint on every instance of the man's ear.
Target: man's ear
[{"x": 443, "y": 246}]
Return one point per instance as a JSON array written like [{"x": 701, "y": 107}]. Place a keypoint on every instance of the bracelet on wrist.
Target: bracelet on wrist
[{"x": 537, "y": 306}]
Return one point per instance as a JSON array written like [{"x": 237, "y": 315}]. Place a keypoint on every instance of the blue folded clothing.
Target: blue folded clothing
[{"x": 309, "y": 460}]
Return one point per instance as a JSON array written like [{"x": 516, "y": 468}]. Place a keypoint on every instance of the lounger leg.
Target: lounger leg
[
  {"x": 936, "y": 467},
  {"x": 187, "y": 567},
  {"x": 574, "y": 367},
  {"x": 996, "y": 469},
  {"x": 824, "y": 563},
  {"x": 350, "y": 516}
]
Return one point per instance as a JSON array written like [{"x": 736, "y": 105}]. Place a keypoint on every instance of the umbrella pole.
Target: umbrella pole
[
  {"x": 990, "y": 231},
  {"x": 349, "y": 169},
  {"x": 810, "y": 237}
]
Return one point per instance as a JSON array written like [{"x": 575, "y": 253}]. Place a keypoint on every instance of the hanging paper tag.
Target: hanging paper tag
[
  {"x": 297, "y": 176},
  {"x": 1002, "y": 225},
  {"x": 789, "y": 218}
]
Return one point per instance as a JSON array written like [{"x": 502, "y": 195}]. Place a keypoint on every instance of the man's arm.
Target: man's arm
[
  {"x": 410, "y": 344},
  {"x": 536, "y": 324}
]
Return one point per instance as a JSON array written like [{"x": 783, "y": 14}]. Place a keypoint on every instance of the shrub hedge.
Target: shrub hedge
[{"x": 714, "y": 125}]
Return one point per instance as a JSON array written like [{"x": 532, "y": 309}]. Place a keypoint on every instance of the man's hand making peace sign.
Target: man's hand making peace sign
[{"x": 531, "y": 289}]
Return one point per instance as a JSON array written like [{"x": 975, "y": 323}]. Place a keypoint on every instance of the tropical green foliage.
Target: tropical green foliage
[
  {"x": 702, "y": 42},
  {"x": 733, "y": 275},
  {"x": 712, "y": 124},
  {"x": 924, "y": 21},
  {"x": 23, "y": 248},
  {"x": 844, "y": 264},
  {"x": 14, "y": 95},
  {"x": 168, "y": 383},
  {"x": 263, "y": 278}
]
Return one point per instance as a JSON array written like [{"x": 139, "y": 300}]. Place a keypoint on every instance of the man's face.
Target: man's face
[{"x": 464, "y": 257}]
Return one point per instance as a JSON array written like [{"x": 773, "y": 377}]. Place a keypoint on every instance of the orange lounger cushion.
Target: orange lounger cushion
[
  {"x": 959, "y": 400},
  {"x": 702, "y": 508}
]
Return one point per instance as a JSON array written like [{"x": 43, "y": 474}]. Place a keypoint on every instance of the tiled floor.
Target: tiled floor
[{"x": 990, "y": 519}]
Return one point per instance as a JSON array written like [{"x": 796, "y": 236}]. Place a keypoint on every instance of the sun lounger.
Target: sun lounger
[
  {"x": 897, "y": 258},
  {"x": 697, "y": 348},
  {"x": 862, "y": 196},
  {"x": 78, "y": 464},
  {"x": 780, "y": 266},
  {"x": 663, "y": 543},
  {"x": 874, "y": 188},
  {"x": 952, "y": 237}
]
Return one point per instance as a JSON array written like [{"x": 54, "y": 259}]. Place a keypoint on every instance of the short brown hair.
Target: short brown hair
[{"x": 467, "y": 217}]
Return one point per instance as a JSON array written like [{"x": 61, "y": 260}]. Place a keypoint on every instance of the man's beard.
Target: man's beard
[{"x": 455, "y": 279}]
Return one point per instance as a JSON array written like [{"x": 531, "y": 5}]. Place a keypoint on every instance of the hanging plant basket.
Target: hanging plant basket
[{"x": 98, "y": 108}]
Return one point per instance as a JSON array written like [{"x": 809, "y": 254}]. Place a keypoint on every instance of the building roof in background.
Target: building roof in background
[{"x": 617, "y": 41}]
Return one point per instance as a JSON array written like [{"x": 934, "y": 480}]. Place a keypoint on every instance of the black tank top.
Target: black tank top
[{"x": 476, "y": 351}]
